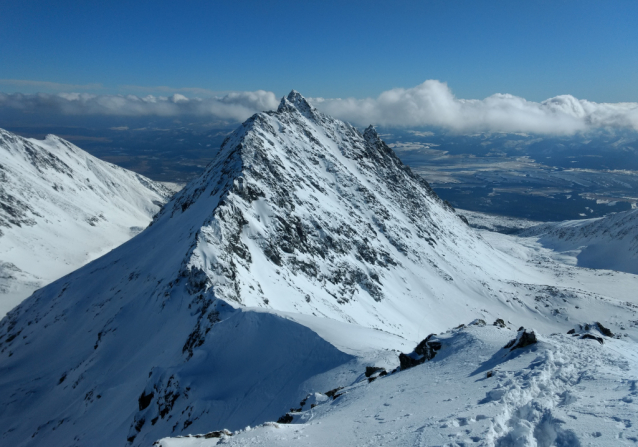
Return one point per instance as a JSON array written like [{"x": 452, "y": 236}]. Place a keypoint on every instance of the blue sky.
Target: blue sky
[{"x": 534, "y": 49}]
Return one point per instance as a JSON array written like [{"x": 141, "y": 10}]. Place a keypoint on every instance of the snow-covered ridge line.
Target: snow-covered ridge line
[
  {"x": 60, "y": 208},
  {"x": 609, "y": 242}
]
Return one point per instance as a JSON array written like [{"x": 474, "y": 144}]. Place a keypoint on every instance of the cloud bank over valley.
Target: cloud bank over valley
[{"x": 431, "y": 103}]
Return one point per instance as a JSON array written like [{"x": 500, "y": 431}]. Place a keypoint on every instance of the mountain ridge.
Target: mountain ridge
[
  {"x": 300, "y": 234},
  {"x": 609, "y": 242},
  {"x": 61, "y": 207}
]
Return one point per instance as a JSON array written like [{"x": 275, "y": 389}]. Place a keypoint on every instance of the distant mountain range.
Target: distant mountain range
[{"x": 60, "y": 208}]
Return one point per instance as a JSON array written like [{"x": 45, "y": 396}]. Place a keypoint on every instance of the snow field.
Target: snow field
[
  {"x": 563, "y": 391},
  {"x": 609, "y": 242}
]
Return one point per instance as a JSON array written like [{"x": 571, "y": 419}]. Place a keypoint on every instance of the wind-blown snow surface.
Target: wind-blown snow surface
[
  {"x": 609, "y": 242},
  {"x": 563, "y": 391},
  {"x": 60, "y": 208},
  {"x": 303, "y": 253}
]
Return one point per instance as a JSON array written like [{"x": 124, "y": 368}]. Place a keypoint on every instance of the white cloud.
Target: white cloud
[
  {"x": 166, "y": 89},
  {"x": 417, "y": 133},
  {"x": 433, "y": 104},
  {"x": 236, "y": 106},
  {"x": 429, "y": 104}
]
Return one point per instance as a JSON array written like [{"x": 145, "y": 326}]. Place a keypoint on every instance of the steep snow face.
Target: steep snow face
[
  {"x": 60, "y": 208},
  {"x": 609, "y": 242},
  {"x": 303, "y": 250}
]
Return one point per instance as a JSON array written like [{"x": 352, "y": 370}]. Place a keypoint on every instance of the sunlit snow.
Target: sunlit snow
[{"x": 305, "y": 253}]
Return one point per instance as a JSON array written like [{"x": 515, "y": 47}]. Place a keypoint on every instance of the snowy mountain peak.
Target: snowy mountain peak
[
  {"x": 370, "y": 134},
  {"x": 312, "y": 195},
  {"x": 303, "y": 245},
  {"x": 295, "y": 101}
]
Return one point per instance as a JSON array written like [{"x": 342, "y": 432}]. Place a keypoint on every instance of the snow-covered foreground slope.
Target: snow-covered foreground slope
[
  {"x": 305, "y": 252},
  {"x": 609, "y": 242},
  {"x": 60, "y": 208},
  {"x": 561, "y": 391}
]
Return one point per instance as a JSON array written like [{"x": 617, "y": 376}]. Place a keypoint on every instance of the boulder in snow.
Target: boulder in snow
[
  {"x": 522, "y": 340},
  {"x": 426, "y": 350}
]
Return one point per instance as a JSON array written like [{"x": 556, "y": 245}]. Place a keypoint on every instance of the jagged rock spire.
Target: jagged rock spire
[
  {"x": 295, "y": 100},
  {"x": 370, "y": 134}
]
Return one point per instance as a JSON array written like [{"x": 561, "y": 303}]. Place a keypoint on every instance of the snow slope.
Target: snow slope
[
  {"x": 60, "y": 208},
  {"x": 609, "y": 242},
  {"x": 562, "y": 391},
  {"x": 304, "y": 252}
]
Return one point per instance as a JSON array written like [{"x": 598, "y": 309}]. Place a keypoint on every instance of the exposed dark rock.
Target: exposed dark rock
[
  {"x": 588, "y": 327},
  {"x": 370, "y": 370},
  {"x": 197, "y": 280},
  {"x": 489, "y": 374},
  {"x": 216, "y": 434},
  {"x": 333, "y": 393},
  {"x": 424, "y": 351},
  {"x": 165, "y": 393},
  {"x": 272, "y": 253},
  {"x": 207, "y": 317},
  {"x": 428, "y": 347},
  {"x": 408, "y": 362},
  {"x": 250, "y": 192},
  {"x": 523, "y": 339},
  {"x": 145, "y": 400},
  {"x": 500, "y": 323},
  {"x": 285, "y": 419},
  {"x": 139, "y": 424},
  {"x": 603, "y": 330},
  {"x": 592, "y": 337}
]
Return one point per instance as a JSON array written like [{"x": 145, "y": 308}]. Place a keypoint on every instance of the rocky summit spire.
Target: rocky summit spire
[
  {"x": 370, "y": 134},
  {"x": 297, "y": 101}
]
